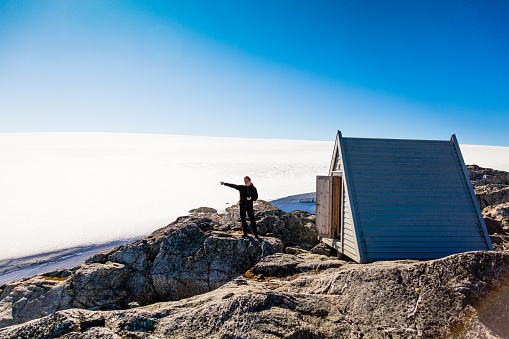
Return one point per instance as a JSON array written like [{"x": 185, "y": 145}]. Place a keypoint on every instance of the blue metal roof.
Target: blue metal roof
[{"x": 407, "y": 199}]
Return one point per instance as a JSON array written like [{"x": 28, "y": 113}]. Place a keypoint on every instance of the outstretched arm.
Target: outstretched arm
[{"x": 237, "y": 187}]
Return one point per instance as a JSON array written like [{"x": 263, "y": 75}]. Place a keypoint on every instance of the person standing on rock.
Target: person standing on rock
[{"x": 248, "y": 194}]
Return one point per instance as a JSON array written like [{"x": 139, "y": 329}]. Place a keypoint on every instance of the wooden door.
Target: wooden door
[{"x": 324, "y": 206}]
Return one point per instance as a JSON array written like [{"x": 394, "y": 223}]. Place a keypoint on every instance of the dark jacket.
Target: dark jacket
[{"x": 245, "y": 192}]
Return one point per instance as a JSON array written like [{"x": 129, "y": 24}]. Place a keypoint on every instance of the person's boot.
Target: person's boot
[
  {"x": 244, "y": 229},
  {"x": 255, "y": 231}
]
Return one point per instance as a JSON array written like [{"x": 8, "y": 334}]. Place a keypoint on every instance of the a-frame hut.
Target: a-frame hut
[{"x": 387, "y": 199}]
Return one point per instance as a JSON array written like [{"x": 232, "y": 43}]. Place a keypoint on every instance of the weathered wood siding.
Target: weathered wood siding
[
  {"x": 349, "y": 239},
  {"x": 412, "y": 200},
  {"x": 337, "y": 201},
  {"x": 323, "y": 206}
]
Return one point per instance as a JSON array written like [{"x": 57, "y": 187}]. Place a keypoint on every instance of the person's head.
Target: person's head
[{"x": 247, "y": 180}]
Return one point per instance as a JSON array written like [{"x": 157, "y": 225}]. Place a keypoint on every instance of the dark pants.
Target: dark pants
[{"x": 249, "y": 209}]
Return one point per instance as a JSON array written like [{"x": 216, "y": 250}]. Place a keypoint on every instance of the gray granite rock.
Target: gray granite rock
[
  {"x": 323, "y": 249},
  {"x": 492, "y": 192},
  {"x": 283, "y": 265},
  {"x": 293, "y": 228},
  {"x": 186, "y": 258},
  {"x": 465, "y": 295}
]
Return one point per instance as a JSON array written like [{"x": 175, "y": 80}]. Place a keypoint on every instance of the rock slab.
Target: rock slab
[{"x": 465, "y": 295}]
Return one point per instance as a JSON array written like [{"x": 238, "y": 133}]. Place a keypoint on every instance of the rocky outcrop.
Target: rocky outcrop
[
  {"x": 232, "y": 215},
  {"x": 193, "y": 255},
  {"x": 295, "y": 228},
  {"x": 481, "y": 176},
  {"x": 492, "y": 191},
  {"x": 186, "y": 258},
  {"x": 462, "y": 296}
]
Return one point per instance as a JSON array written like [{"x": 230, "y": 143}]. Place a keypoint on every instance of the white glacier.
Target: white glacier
[{"x": 63, "y": 190}]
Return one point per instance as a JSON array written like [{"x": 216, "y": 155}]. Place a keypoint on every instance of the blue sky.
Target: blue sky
[{"x": 267, "y": 69}]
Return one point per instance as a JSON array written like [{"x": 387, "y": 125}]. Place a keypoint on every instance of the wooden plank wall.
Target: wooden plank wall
[
  {"x": 349, "y": 243},
  {"x": 412, "y": 200},
  {"x": 323, "y": 206},
  {"x": 337, "y": 200}
]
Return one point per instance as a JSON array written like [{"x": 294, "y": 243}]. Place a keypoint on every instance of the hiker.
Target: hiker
[{"x": 248, "y": 194}]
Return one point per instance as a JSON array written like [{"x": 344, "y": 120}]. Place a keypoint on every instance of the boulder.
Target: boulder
[
  {"x": 232, "y": 215},
  {"x": 279, "y": 265},
  {"x": 491, "y": 186},
  {"x": 284, "y": 265},
  {"x": 293, "y": 228},
  {"x": 98, "y": 285},
  {"x": 494, "y": 226},
  {"x": 490, "y": 195},
  {"x": 323, "y": 249},
  {"x": 32, "y": 298},
  {"x": 500, "y": 242},
  {"x": 465, "y": 295},
  {"x": 499, "y": 214}
]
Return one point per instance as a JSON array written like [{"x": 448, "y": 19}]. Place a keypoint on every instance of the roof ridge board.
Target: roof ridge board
[{"x": 393, "y": 140}]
